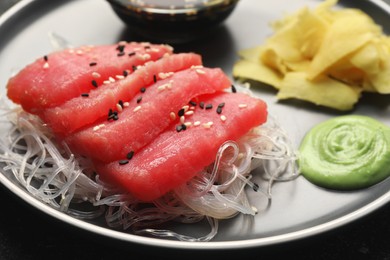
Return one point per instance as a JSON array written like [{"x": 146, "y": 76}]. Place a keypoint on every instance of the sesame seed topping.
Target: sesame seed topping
[
  {"x": 119, "y": 77},
  {"x": 223, "y": 118},
  {"x": 130, "y": 155},
  {"x": 119, "y": 107},
  {"x": 163, "y": 75},
  {"x": 123, "y": 162},
  {"x": 45, "y": 58},
  {"x": 85, "y": 95},
  {"x": 126, "y": 104},
  {"x": 120, "y": 48},
  {"x": 196, "y": 123},
  {"x": 120, "y": 54},
  {"x": 181, "y": 112},
  {"x": 111, "y": 79},
  {"x": 96, "y": 74},
  {"x": 172, "y": 115},
  {"x": 181, "y": 127},
  {"x": 139, "y": 99},
  {"x": 125, "y": 73},
  {"x": 209, "y": 106},
  {"x": 188, "y": 113},
  {"x": 192, "y": 103},
  {"x": 98, "y": 127},
  {"x": 143, "y": 89},
  {"x": 242, "y": 105},
  {"x": 182, "y": 119},
  {"x": 199, "y": 71},
  {"x": 46, "y": 65},
  {"x": 94, "y": 83},
  {"x": 154, "y": 78},
  {"x": 131, "y": 53},
  {"x": 201, "y": 105},
  {"x": 92, "y": 64},
  {"x": 234, "y": 90},
  {"x": 137, "y": 108}
]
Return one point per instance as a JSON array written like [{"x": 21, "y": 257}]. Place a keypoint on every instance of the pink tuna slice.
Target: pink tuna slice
[
  {"x": 82, "y": 111},
  {"x": 60, "y": 76},
  {"x": 175, "y": 157},
  {"x": 143, "y": 120}
]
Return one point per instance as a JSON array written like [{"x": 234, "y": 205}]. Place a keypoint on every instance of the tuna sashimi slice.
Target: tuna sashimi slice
[
  {"x": 60, "y": 76},
  {"x": 81, "y": 111},
  {"x": 174, "y": 157},
  {"x": 144, "y": 119}
]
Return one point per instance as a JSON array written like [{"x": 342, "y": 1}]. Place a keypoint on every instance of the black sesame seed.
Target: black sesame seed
[
  {"x": 219, "y": 110},
  {"x": 130, "y": 155},
  {"x": 234, "y": 90},
  {"x": 154, "y": 78},
  {"x": 181, "y": 127},
  {"x": 125, "y": 73},
  {"x": 209, "y": 106},
  {"x": 134, "y": 67},
  {"x": 123, "y": 162},
  {"x": 45, "y": 58},
  {"x": 121, "y": 54},
  {"x": 120, "y": 102},
  {"x": 85, "y": 95},
  {"x": 139, "y": 99},
  {"x": 131, "y": 53},
  {"x": 120, "y": 48},
  {"x": 143, "y": 89},
  {"x": 94, "y": 83},
  {"x": 201, "y": 105},
  {"x": 92, "y": 64},
  {"x": 193, "y": 103},
  {"x": 181, "y": 112},
  {"x": 221, "y": 105},
  {"x": 147, "y": 47}
]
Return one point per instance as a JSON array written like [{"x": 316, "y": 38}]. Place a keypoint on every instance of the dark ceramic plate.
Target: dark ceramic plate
[{"x": 299, "y": 209}]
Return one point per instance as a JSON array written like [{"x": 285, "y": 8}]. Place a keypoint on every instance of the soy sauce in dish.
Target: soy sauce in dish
[{"x": 173, "y": 21}]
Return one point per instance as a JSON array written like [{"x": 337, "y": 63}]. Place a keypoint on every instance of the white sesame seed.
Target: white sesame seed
[
  {"x": 111, "y": 79},
  {"x": 126, "y": 104},
  {"x": 119, "y": 76},
  {"x": 119, "y": 107},
  {"x": 196, "y": 66},
  {"x": 137, "y": 108},
  {"x": 95, "y": 74},
  {"x": 196, "y": 123},
  {"x": 223, "y": 118},
  {"x": 46, "y": 65},
  {"x": 199, "y": 71},
  {"x": 106, "y": 82},
  {"x": 242, "y": 105},
  {"x": 189, "y": 112},
  {"x": 182, "y": 119},
  {"x": 79, "y": 52},
  {"x": 172, "y": 115},
  {"x": 188, "y": 124},
  {"x": 163, "y": 75},
  {"x": 98, "y": 127}
]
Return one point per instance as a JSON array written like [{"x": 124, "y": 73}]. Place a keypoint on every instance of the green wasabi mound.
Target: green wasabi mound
[{"x": 346, "y": 153}]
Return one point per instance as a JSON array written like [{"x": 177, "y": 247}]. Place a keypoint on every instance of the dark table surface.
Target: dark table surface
[{"x": 26, "y": 233}]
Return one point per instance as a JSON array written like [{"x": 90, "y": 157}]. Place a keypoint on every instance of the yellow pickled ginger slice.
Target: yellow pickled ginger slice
[{"x": 340, "y": 51}]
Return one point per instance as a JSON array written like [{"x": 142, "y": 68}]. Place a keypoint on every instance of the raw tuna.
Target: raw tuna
[
  {"x": 60, "y": 76},
  {"x": 176, "y": 155},
  {"x": 82, "y": 110},
  {"x": 144, "y": 119}
]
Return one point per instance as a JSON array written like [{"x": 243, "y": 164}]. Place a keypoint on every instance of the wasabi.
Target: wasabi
[{"x": 346, "y": 153}]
